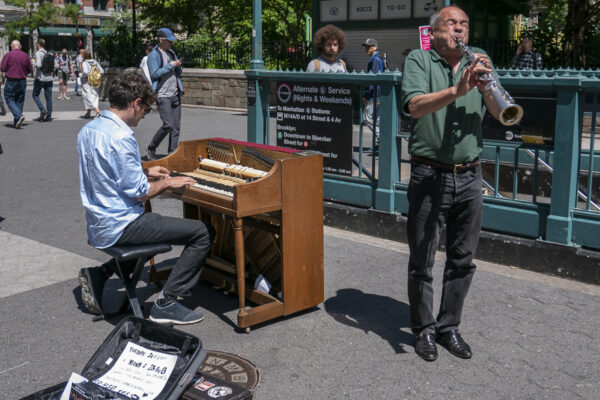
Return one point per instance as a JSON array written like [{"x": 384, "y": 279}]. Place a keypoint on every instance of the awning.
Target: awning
[
  {"x": 101, "y": 32},
  {"x": 62, "y": 31}
]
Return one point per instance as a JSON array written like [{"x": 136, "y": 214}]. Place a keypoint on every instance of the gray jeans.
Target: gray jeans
[
  {"x": 196, "y": 236},
  {"x": 169, "y": 109},
  {"x": 437, "y": 197}
]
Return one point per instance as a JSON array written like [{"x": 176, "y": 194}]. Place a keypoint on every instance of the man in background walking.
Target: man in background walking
[
  {"x": 165, "y": 71},
  {"x": 44, "y": 79},
  {"x": 16, "y": 65},
  {"x": 77, "y": 69}
]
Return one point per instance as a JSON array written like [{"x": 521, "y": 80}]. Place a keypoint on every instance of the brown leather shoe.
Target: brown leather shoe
[
  {"x": 425, "y": 347},
  {"x": 454, "y": 343}
]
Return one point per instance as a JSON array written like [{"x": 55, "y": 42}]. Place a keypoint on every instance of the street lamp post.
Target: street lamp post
[{"x": 133, "y": 31}]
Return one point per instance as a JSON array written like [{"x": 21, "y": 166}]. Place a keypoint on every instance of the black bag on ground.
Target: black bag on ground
[{"x": 157, "y": 344}]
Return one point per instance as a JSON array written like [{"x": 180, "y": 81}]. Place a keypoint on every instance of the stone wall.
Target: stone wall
[
  {"x": 214, "y": 87},
  {"x": 206, "y": 87}
]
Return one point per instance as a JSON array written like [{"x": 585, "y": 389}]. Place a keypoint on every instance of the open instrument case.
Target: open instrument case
[{"x": 143, "y": 353}]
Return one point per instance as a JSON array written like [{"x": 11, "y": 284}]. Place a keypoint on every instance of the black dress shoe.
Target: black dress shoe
[
  {"x": 454, "y": 343},
  {"x": 425, "y": 347}
]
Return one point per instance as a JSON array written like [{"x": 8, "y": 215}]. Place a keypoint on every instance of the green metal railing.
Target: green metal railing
[{"x": 553, "y": 191}]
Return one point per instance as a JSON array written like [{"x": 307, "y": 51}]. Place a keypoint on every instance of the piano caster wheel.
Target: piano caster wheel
[{"x": 247, "y": 330}]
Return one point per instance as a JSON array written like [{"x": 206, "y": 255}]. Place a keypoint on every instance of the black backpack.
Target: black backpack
[{"x": 47, "y": 63}]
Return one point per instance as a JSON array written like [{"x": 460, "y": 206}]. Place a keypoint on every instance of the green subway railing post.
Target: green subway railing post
[
  {"x": 256, "y": 111},
  {"x": 559, "y": 225},
  {"x": 388, "y": 153}
]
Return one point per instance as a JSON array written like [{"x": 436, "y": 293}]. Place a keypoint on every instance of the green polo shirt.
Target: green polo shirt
[{"x": 451, "y": 135}]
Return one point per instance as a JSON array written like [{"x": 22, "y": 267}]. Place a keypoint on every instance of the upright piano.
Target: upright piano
[{"x": 266, "y": 204}]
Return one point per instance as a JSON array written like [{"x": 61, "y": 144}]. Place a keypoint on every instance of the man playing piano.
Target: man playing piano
[{"x": 113, "y": 188}]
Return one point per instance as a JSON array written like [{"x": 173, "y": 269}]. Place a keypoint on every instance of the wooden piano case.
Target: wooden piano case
[{"x": 273, "y": 226}]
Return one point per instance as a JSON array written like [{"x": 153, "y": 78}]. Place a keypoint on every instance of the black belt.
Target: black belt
[
  {"x": 448, "y": 167},
  {"x": 15, "y": 79}
]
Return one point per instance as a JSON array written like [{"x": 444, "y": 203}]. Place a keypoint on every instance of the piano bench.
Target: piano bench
[{"x": 140, "y": 253}]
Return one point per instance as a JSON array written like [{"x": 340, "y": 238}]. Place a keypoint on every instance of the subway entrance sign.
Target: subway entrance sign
[{"x": 317, "y": 117}]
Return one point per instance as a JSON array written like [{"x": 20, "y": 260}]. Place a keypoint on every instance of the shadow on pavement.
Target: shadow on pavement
[{"x": 382, "y": 315}]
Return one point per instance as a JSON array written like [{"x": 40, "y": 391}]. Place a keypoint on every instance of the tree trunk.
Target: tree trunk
[{"x": 575, "y": 30}]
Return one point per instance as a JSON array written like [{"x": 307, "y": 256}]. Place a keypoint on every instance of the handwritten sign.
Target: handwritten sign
[{"x": 139, "y": 372}]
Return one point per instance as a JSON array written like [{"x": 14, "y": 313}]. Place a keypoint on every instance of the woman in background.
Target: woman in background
[{"x": 90, "y": 95}]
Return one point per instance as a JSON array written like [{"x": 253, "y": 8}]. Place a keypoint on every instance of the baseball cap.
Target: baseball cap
[
  {"x": 370, "y": 42},
  {"x": 167, "y": 34}
]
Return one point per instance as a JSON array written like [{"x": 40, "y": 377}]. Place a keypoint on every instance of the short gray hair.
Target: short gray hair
[{"x": 434, "y": 19}]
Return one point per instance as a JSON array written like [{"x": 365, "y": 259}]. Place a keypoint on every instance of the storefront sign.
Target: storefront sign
[
  {"x": 424, "y": 37},
  {"x": 424, "y": 8},
  {"x": 334, "y": 10},
  {"x": 364, "y": 10},
  {"x": 318, "y": 117},
  {"x": 395, "y": 9}
]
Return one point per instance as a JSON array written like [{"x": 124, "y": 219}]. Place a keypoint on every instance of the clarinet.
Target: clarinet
[{"x": 509, "y": 113}]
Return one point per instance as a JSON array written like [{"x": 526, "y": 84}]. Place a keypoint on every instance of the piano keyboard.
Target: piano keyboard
[{"x": 209, "y": 183}]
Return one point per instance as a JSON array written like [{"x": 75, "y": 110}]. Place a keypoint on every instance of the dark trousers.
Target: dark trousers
[
  {"x": 76, "y": 84},
  {"x": 436, "y": 197},
  {"x": 14, "y": 94},
  {"x": 37, "y": 89},
  {"x": 169, "y": 109},
  {"x": 196, "y": 236}
]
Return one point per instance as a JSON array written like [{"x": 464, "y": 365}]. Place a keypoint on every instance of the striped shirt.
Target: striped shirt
[{"x": 529, "y": 60}]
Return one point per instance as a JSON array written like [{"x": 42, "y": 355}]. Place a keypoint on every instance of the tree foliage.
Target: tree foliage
[
  {"x": 35, "y": 16},
  {"x": 567, "y": 33},
  {"x": 220, "y": 21},
  {"x": 117, "y": 47}
]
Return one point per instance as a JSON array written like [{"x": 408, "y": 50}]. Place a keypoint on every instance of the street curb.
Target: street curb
[{"x": 531, "y": 254}]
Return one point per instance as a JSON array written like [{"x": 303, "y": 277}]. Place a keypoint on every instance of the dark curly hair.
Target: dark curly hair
[
  {"x": 329, "y": 32},
  {"x": 127, "y": 87}
]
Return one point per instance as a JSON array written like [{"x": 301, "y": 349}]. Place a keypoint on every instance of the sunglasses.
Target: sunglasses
[{"x": 148, "y": 109}]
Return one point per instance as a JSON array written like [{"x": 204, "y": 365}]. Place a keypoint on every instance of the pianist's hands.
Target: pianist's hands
[
  {"x": 180, "y": 181},
  {"x": 157, "y": 172}
]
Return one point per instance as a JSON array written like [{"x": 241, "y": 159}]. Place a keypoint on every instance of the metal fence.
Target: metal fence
[
  {"x": 216, "y": 55},
  {"x": 544, "y": 191}
]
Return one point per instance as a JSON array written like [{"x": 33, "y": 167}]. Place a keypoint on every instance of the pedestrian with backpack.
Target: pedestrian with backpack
[
  {"x": 165, "y": 70},
  {"x": 91, "y": 78},
  {"x": 375, "y": 66},
  {"x": 329, "y": 41},
  {"x": 44, "y": 79}
]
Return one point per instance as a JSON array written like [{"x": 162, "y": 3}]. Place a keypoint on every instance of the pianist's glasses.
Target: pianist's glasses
[{"x": 148, "y": 107}]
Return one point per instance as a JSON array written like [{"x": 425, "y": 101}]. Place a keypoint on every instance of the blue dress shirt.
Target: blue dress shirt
[{"x": 111, "y": 178}]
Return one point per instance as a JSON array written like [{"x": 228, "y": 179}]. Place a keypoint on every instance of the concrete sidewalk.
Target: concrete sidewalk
[{"x": 533, "y": 336}]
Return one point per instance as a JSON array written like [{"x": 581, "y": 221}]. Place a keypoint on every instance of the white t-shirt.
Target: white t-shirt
[
  {"x": 144, "y": 67},
  {"x": 325, "y": 66}
]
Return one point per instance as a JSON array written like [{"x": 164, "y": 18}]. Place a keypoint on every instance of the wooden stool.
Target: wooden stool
[{"x": 140, "y": 253}]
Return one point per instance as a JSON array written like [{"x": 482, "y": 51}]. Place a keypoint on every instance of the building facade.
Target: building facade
[
  {"x": 61, "y": 33},
  {"x": 395, "y": 24}
]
